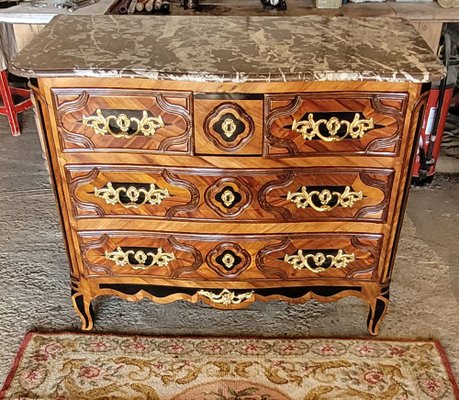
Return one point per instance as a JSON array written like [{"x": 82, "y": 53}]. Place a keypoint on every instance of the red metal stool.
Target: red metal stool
[{"x": 10, "y": 109}]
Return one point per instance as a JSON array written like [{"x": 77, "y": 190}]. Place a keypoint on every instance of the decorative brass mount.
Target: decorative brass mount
[
  {"x": 228, "y": 127},
  {"x": 304, "y": 198},
  {"x": 121, "y": 258},
  {"x": 228, "y": 260},
  {"x": 301, "y": 261},
  {"x": 101, "y": 125},
  {"x": 228, "y": 198},
  {"x": 309, "y": 128},
  {"x": 226, "y": 297},
  {"x": 152, "y": 196}
]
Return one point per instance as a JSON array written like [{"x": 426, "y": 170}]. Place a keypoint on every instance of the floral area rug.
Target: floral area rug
[{"x": 90, "y": 366}]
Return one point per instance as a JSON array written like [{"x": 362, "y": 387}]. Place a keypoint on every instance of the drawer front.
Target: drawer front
[
  {"x": 304, "y": 194},
  {"x": 114, "y": 120},
  {"x": 227, "y": 126},
  {"x": 334, "y": 123},
  {"x": 232, "y": 258}
]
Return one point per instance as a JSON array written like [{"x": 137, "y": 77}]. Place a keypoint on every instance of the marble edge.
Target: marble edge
[{"x": 396, "y": 76}]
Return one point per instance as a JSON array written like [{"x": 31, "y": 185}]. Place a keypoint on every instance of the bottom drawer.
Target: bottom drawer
[{"x": 226, "y": 258}]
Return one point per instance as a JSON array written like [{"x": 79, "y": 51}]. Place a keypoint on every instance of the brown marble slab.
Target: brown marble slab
[{"x": 234, "y": 49}]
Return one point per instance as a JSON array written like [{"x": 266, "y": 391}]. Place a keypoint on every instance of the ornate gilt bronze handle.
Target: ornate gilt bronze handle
[
  {"x": 309, "y": 128},
  {"x": 226, "y": 297},
  {"x": 136, "y": 197},
  {"x": 302, "y": 261},
  {"x": 101, "y": 125},
  {"x": 121, "y": 258},
  {"x": 324, "y": 200}
]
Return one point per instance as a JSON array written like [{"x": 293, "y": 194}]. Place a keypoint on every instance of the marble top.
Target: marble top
[{"x": 230, "y": 49}]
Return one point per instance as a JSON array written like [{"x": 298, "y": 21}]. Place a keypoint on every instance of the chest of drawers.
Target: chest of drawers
[{"x": 228, "y": 190}]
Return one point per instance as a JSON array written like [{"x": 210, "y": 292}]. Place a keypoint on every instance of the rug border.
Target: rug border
[
  {"x": 16, "y": 361},
  {"x": 449, "y": 370},
  {"x": 25, "y": 341}
]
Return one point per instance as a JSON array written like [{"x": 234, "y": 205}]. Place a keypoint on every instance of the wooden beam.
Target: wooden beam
[{"x": 430, "y": 32}]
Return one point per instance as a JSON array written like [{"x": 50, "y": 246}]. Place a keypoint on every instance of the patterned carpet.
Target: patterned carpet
[{"x": 82, "y": 366}]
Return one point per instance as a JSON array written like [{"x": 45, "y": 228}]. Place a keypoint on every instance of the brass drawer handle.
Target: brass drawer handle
[
  {"x": 121, "y": 258},
  {"x": 101, "y": 125},
  {"x": 226, "y": 297},
  {"x": 302, "y": 261},
  {"x": 309, "y": 128},
  {"x": 324, "y": 200},
  {"x": 136, "y": 196}
]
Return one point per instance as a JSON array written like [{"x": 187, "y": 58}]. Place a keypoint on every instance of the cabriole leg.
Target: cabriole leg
[
  {"x": 378, "y": 309},
  {"x": 83, "y": 307}
]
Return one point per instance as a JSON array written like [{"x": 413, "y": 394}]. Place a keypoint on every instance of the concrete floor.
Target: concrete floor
[
  {"x": 35, "y": 293},
  {"x": 434, "y": 211}
]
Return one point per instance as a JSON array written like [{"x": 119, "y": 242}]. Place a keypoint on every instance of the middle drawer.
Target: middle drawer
[{"x": 294, "y": 194}]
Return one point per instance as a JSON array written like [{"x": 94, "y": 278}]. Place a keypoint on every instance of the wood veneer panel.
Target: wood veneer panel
[
  {"x": 223, "y": 195},
  {"x": 227, "y": 87},
  {"x": 217, "y": 161},
  {"x": 123, "y": 120},
  {"x": 231, "y": 258},
  {"x": 145, "y": 224},
  {"x": 227, "y": 126},
  {"x": 365, "y": 124}
]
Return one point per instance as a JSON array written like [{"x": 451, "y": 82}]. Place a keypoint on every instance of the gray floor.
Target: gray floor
[{"x": 34, "y": 285}]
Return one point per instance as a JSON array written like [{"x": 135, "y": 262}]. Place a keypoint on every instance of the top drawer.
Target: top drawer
[
  {"x": 115, "y": 119},
  {"x": 334, "y": 124},
  {"x": 230, "y": 125}
]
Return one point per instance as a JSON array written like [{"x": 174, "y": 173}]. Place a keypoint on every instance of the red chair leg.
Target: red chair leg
[{"x": 10, "y": 110}]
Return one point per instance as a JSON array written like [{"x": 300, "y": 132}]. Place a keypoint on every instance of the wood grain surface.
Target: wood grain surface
[
  {"x": 186, "y": 214},
  {"x": 255, "y": 196},
  {"x": 246, "y": 117},
  {"x": 74, "y": 105}
]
